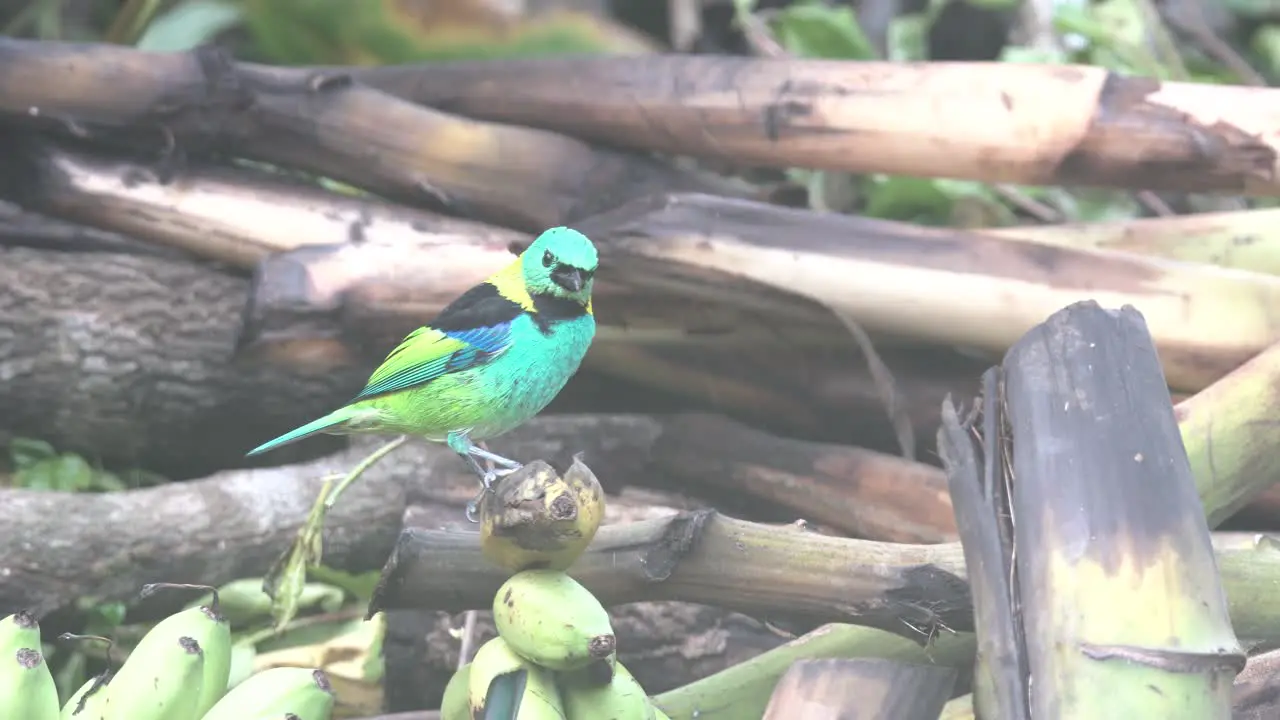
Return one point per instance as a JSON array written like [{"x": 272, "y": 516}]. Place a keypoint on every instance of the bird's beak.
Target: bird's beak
[{"x": 569, "y": 278}]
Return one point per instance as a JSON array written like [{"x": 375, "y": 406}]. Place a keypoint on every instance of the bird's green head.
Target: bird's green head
[{"x": 560, "y": 262}]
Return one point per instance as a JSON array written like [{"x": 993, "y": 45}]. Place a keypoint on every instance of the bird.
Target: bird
[{"x": 492, "y": 359}]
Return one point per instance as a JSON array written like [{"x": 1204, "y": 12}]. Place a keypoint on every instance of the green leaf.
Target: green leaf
[
  {"x": 71, "y": 473},
  {"x": 108, "y": 481},
  {"x": 25, "y": 452},
  {"x": 105, "y": 618},
  {"x": 1032, "y": 55},
  {"x": 1265, "y": 43},
  {"x": 908, "y": 38},
  {"x": 189, "y": 25},
  {"x": 817, "y": 31},
  {"x": 907, "y": 198},
  {"x": 35, "y": 477},
  {"x": 361, "y": 586}
]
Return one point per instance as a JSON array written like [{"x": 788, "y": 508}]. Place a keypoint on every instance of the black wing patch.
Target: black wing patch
[{"x": 481, "y": 306}]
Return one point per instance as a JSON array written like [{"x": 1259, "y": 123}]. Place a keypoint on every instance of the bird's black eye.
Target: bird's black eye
[{"x": 548, "y": 259}]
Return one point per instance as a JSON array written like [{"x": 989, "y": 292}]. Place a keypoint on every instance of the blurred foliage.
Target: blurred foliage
[
  {"x": 38, "y": 466},
  {"x": 380, "y": 32},
  {"x": 1125, "y": 36}
]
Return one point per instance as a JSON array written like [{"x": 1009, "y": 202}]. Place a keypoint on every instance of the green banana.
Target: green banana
[
  {"x": 19, "y": 630},
  {"x": 92, "y": 709},
  {"x": 596, "y": 673},
  {"x": 658, "y": 714},
  {"x": 501, "y": 684},
  {"x": 26, "y": 685},
  {"x": 552, "y": 620},
  {"x": 620, "y": 699},
  {"x": 454, "y": 705},
  {"x": 209, "y": 628},
  {"x": 160, "y": 680},
  {"x": 304, "y": 692}
]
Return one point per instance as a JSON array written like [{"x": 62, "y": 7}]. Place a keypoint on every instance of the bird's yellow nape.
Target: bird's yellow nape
[{"x": 510, "y": 284}]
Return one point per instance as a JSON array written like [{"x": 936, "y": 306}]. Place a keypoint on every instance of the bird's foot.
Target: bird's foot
[{"x": 486, "y": 486}]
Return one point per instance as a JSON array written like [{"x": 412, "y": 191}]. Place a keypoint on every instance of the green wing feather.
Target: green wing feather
[{"x": 427, "y": 353}]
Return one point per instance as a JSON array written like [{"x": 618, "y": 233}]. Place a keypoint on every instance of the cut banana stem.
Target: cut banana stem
[{"x": 553, "y": 621}]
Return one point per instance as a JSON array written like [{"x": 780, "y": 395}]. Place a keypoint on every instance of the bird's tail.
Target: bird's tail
[{"x": 337, "y": 417}]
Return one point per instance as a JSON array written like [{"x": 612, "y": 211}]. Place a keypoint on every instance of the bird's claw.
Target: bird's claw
[{"x": 486, "y": 486}]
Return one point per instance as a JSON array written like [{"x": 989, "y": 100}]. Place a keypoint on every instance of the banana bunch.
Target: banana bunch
[
  {"x": 555, "y": 656},
  {"x": 177, "y": 671}
]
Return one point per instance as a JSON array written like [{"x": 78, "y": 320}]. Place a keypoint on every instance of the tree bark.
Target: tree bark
[
  {"x": 57, "y": 547},
  {"x": 125, "y": 357}
]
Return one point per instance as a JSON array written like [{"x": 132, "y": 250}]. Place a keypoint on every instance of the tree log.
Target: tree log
[
  {"x": 869, "y": 117},
  {"x": 202, "y": 102},
  {"x": 233, "y": 524},
  {"x": 126, "y": 358}
]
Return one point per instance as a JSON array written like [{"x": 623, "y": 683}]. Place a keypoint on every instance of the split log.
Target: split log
[
  {"x": 994, "y": 122},
  {"x": 203, "y": 102},
  {"x": 1083, "y": 470}
]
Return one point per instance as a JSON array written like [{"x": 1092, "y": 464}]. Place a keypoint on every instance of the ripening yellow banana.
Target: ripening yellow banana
[{"x": 552, "y": 620}]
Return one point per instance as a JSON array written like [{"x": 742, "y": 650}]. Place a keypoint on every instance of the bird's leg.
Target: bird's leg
[
  {"x": 462, "y": 445},
  {"x": 508, "y": 465}
]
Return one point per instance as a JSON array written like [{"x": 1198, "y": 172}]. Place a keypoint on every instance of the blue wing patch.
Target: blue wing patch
[
  {"x": 480, "y": 344},
  {"x": 490, "y": 339}
]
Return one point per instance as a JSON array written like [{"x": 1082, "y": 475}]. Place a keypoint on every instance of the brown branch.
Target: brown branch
[
  {"x": 233, "y": 524},
  {"x": 709, "y": 558},
  {"x": 995, "y": 122},
  {"x": 781, "y": 572},
  {"x": 910, "y": 278},
  {"x": 241, "y": 216},
  {"x": 322, "y": 122},
  {"x": 859, "y": 492}
]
